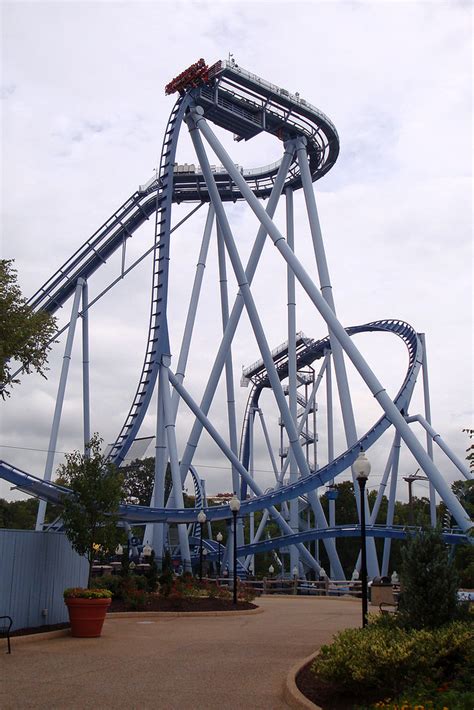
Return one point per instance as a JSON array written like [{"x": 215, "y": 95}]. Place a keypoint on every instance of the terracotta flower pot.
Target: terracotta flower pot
[{"x": 87, "y": 616}]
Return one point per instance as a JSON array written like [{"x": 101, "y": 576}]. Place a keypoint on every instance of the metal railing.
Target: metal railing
[{"x": 298, "y": 587}]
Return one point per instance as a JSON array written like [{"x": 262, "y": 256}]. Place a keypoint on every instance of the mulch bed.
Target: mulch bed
[
  {"x": 185, "y": 604},
  {"x": 324, "y": 695}
]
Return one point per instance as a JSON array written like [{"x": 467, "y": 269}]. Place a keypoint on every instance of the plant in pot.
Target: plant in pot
[{"x": 90, "y": 518}]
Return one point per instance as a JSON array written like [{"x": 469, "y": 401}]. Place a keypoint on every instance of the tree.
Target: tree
[
  {"x": 470, "y": 449},
  {"x": 429, "y": 581},
  {"x": 138, "y": 479},
  {"x": 90, "y": 516},
  {"x": 25, "y": 336},
  {"x": 21, "y": 514}
]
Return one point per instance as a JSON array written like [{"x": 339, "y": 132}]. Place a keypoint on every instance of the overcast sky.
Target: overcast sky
[{"x": 84, "y": 112}]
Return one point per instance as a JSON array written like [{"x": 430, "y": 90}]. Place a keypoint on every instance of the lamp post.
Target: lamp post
[
  {"x": 234, "y": 505},
  {"x": 295, "y": 579},
  {"x": 146, "y": 552},
  {"x": 362, "y": 469},
  {"x": 201, "y": 520},
  {"x": 205, "y": 552},
  {"x": 219, "y": 541}
]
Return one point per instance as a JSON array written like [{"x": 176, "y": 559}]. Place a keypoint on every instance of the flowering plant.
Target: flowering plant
[{"x": 82, "y": 593}]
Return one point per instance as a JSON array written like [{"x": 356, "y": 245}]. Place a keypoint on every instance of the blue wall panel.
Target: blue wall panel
[{"x": 35, "y": 568}]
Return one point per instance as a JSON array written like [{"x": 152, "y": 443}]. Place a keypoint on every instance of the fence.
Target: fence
[
  {"x": 35, "y": 568},
  {"x": 299, "y": 587}
]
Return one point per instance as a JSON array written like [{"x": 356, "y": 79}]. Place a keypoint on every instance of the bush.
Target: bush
[
  {"x": 136, "y": 599},
  {"x": 429, "y": 582},
  {"x": 120, "y": 586},
  {"x": 386, "y": 659},
  {"x": 108, "y": 581},
  {"x": 151, "y": 574},
  {"x": 167, "y": 575}
]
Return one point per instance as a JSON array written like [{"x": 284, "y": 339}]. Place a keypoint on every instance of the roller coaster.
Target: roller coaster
[{"x": 242, "y": 103}]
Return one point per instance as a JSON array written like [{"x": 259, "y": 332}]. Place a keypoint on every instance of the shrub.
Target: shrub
[
  {"x": 135, "y": 599},
  {"x": 246, "y": 594},
  {"x": 167, "y": 575},
  {"x": 429, "y": 582},
  {"x": 151, "y": 574},
  {"x": 384, "y": 658},
  {"x": 108, "y": 581}
]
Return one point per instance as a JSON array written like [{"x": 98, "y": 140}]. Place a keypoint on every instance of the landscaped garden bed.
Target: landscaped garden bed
[
  {"x": 419, "y": 658},
  {"x": 171, "y": 593},
  {"x": 157, "y": 603},
  {"x": 386, "y": 666}
]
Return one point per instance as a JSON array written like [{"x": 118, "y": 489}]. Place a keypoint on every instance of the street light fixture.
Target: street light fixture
[
  {"x": 201, "y": 520},
  {"x": 295, "y": 579},
  {"x": 271, "y": 570},
  {"x": 361, "y": 468},
  {"x": 147, "y": 551},
  {"x": 219, "y": 541},
  {"x": 234, "y": 505}
]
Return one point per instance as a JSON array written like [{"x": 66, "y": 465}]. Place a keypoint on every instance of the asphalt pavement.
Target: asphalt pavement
[{"x": 174, "y": 662}]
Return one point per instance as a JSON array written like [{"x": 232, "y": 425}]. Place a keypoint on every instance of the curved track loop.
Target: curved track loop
[
  {"x": 316, "y": 351},
  {"x": 136, "y": 514}
]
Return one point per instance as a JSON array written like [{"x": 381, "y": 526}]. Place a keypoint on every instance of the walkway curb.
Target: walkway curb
[
  {"x": 173, "y": 614},
  {"x": 291, "y": 693},
  {"x": 41, "y": 635},
  {"x": 137, "y": 615}
]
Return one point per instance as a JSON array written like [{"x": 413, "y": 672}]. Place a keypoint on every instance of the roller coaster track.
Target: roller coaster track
[
  {"x": 265, "y": 110},
  {"x": 136, "y": 514},
  {"x": 317, "y": 350},
  {"x": 246, "y": 105},
  {"x": 258, "y": 107}
]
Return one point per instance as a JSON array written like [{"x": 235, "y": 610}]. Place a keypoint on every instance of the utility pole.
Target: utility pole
[{"x": 410, "y": 480}]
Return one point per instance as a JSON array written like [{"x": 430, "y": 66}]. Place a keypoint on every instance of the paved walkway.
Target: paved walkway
[{"x": 174, "y": 663}]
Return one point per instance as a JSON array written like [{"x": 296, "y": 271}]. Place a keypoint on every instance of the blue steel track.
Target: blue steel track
[{"x": 245, "y": 105}]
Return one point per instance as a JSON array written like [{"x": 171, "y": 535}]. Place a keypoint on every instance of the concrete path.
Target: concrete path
[{"x": 174, "y": 663}]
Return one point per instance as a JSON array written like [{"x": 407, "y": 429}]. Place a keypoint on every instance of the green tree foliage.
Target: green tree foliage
[
  {"x": 90, "y": 516},
  {"x": 25, "y": 336},
  {"x": 18, "y": 514},
  {"x": 429, "y": 581},
  {"x": 21, "y": 514},
  {"x": 138, "y": 479},
  {"x": 464, "y": 554},
  {"x": 470, "y": 449}
]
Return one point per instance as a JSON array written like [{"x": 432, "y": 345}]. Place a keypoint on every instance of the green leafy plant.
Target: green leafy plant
[
  {"x": 429, "y": 582},
  {"x": 386, "y": 660},
  {"x": 90, "y": 515},
  {"x": 151, "y": 575},
  {"x": 167, "y": 575},
  {"x": 136, "y": 599},
  {"x": 111, "y": 582},
  {"x": 81, "y": 593},
  {"x": 25, "y": 336}
]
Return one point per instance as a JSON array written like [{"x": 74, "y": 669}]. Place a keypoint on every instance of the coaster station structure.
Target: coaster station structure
[{"x": 244, "y": 104}]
